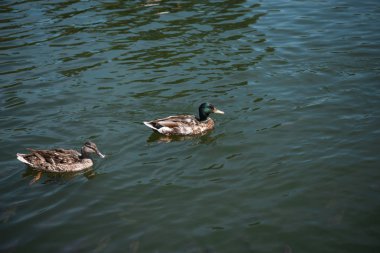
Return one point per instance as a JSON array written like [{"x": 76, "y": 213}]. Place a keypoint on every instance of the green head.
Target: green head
[{"x": 206, "y": 109}]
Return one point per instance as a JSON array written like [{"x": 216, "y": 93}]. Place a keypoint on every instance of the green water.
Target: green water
[{"x": 292, "y": 166}]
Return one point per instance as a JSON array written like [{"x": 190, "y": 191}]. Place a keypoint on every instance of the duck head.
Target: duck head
[
  {"x": 206, "y": 109},
  {"x": 88, "y": 148}
]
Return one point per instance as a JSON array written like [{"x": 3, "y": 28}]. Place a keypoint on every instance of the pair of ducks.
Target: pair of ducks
[{"x": 62, "y": 160}]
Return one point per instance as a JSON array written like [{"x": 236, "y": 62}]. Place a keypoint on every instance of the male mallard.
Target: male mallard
[
  {"x": 60, "y": 160},
  {"x": 186, "y": 124}
]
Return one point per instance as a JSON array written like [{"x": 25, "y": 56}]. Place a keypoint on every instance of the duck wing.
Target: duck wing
[
  {"x": 170, "y": 122},
  {"x": 176, "y": 125},
  {"x": 53, "y": 157},
  {"x": 175, "y": 121}
]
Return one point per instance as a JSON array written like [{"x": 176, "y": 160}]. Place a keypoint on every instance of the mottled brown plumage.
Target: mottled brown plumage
[
  {"x": 60, "y": 160},
  {"x": 185, "y": 124}
]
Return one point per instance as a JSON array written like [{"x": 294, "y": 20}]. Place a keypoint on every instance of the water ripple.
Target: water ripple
[{"x": 298, "y": 81}]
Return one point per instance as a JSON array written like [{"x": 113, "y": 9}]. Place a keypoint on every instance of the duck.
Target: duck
[
  {"x": 185, "y": 125},
  {"x": 60, "y": 160}
]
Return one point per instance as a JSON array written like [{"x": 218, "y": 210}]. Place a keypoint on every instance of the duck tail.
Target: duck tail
[
  {"x": 21, "y": 158},
  {"x": 149, "y": 124}
]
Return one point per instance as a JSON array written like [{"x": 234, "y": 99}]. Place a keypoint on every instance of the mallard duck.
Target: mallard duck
[
  {"x": 60, "y": 160},
  {"x": 186, "y": 124}
]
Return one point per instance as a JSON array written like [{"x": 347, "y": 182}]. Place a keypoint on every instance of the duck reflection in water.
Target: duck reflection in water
[
  {"x": 201, "y": 138},
  {"x": 57, "y": 178}
]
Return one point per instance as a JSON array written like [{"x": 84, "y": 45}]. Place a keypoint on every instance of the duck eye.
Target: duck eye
[{"x": 90, "y": 145}]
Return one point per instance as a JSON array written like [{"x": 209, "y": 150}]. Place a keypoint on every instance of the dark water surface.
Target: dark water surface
[{"x": 293, "y": 165}]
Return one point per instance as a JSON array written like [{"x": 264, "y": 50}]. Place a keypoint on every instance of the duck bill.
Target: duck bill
[
  {"x": 100, "y": 154},
  {"x": 218, "y": 111}
]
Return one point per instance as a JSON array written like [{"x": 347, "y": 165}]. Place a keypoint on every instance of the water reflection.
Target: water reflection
[
  {"x": 204, "y": 138},
  {"x": 7, "y": 214},
  {"x": 56, "y": 178}
]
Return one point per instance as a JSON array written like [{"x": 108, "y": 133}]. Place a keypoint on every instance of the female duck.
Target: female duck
[
  {"x": 186, "y": 124},
  {"x": 60, "y": 160}
]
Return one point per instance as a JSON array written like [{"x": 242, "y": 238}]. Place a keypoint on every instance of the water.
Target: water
[{"x": 293, "y": 165}]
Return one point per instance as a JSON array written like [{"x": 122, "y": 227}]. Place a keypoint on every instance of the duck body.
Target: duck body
[
  {"x": 185, "y": 124},
  {"x": 60, "y": 160},
  {"x": 181, "y": 125}
]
